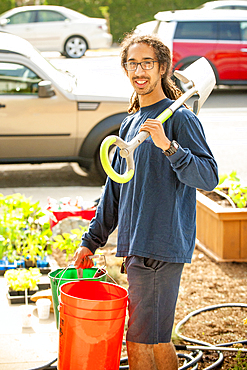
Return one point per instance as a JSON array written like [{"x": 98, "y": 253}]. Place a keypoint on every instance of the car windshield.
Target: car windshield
[{"x": 65, "y": 80}]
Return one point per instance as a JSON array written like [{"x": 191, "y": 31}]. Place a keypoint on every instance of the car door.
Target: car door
[
  {"x": 33, "y": 127},
  {"x": 243, "y": 51},
  {"x": 227, "y": 59},
  {"x": 22, "y": 25},
  {"x": 48, "y": 30}
]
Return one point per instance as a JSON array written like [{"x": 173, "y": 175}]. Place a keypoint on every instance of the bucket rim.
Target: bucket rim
[
  {"x": 57, "y": 277},
  {"x": 94, "y": 300}
]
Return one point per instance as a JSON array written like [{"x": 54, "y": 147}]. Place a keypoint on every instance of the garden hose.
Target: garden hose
[
  {"x": 191, "y": 359},
  {"x": 46, "y": 366},
  {"x": 202, "y": 344}
]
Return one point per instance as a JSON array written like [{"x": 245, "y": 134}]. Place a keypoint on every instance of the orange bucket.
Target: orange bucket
[{"x": 92, "y": 318}]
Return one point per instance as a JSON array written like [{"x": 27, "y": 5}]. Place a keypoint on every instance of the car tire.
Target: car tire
[{"x": 75, "y": 47}]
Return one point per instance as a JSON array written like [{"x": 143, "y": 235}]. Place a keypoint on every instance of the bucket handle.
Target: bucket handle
[
  {"x": 72, "y": 265},
  {"x": 102, "y": 269}
]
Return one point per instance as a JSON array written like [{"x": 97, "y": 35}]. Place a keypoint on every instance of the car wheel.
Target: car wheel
[{"x": 75, "y": 47}]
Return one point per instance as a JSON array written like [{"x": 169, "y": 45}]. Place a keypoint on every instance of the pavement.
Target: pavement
[{"x": 29, "y": 348}]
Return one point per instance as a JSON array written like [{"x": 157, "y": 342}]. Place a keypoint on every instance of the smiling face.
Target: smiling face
[{"x": 147, "y": 83}]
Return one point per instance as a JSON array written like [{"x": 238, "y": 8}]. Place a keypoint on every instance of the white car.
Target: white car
[
  {"x": 224, "y": 4},
  {"x": 152, "y": 26},
  {"x": 56, "y": 28}
]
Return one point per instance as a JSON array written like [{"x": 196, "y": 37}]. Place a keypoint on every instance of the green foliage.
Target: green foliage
[
  {"x": 21, "y": 279},
  {"x": 241, "y": 362},
  {"x": 6, "y": 5},
  {"x": 69, "y": 242},
  {"x": 21, "y": 231},
  {"x": 124, "y": 15},
  {"x": 236, "y": 191}
]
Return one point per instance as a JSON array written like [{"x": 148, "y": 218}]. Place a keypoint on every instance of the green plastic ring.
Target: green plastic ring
[{"x": 104, "y": 157}]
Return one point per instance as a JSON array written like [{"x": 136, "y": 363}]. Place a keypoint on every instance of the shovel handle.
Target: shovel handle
[{"x": 127, "y": 149}]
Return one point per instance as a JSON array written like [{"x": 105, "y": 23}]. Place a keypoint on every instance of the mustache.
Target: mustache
[{"x": 140, "y": 78}]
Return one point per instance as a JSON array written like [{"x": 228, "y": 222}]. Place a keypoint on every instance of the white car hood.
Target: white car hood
[{"x": 108, "y": 82}]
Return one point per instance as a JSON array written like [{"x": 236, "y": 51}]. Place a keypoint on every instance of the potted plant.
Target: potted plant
[
  {"x": 36, "y": 245},
  {"x": 21, "y": 280},
  {"x": 222, "y": 231},
  {"x": 69, "y": 242},
  {"x": 23, "y": 234}
]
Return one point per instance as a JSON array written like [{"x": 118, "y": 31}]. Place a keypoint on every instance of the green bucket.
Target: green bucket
[{"x": 62, "y": 276}]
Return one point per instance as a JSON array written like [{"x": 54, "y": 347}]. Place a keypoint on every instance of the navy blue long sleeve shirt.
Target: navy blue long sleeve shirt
[{"x": 156, "y": 210}]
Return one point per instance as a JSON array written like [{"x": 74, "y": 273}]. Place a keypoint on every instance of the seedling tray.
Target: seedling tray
[{"x": 18, "y": 297}]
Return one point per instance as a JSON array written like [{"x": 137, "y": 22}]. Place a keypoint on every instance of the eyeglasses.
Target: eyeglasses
[{"x": 146, "y": 65}]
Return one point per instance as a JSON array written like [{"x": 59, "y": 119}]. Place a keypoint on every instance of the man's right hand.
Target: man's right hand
[{"x": 81, "y": 259}]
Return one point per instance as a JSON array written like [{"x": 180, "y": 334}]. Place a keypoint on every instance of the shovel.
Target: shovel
[{"x": 200, "y": 76}]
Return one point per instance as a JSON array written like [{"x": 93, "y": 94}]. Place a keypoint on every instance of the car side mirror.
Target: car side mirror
[
  {"x": 3, "y": 22},
  {"x": 45, "y": 89}
]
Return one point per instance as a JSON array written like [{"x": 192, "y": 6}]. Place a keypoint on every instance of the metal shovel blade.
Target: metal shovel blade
[{"x": 202, "y": 77}]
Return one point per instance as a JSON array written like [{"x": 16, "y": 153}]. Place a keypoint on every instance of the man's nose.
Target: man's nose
[{"x": 139, "y": 69}]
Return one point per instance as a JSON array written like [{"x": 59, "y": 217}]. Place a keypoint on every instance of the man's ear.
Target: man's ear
[
  {"x": 162, "y": 69},
  {"x": 126, "y": 72}
]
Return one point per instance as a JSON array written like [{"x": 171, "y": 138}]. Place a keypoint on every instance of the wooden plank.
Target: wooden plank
[
  {"x": 231, "y": 240},
  {"x": 243, "y": 239},
  {"x": 221, "y": 230}
]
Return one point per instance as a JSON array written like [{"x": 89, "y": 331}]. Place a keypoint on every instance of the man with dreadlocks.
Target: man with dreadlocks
[{"x": 156, "y": 210}]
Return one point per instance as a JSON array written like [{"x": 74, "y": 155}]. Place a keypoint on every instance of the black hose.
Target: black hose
[
  {"x": 196, "y": 312},
  {"x": 192, "y": 358},
  {"x": 194, "y": 341},
  {"x": 46, "y": 366}
]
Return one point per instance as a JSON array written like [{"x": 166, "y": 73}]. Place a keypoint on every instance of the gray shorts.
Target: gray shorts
[{"x": 153, "y": 292}]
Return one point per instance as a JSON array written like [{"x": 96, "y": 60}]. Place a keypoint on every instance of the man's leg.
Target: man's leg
[
  {"x": 160, "y": 356},
  {"x": 140, "y": 356},
  {"x": 153, "y": 290},
  {"x": 165, "y": 356}
]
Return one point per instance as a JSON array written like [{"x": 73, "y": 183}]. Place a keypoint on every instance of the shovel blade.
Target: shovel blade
[{"x": 202, "y": 77}]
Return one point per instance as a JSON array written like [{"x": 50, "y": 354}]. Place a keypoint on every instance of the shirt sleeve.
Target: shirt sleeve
[
  {"x": 193, "y": 162},
  {"x": 106, "y": 218}
]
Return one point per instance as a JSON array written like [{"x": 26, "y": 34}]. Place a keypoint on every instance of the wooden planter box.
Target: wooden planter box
[{"x": 221, "y": 232}]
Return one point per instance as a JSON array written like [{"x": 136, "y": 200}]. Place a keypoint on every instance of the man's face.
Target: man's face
[{"x": 144, "y": 81}]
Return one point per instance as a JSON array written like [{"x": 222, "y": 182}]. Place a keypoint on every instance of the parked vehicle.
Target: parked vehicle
[
  {"x": 224, "y": 5},
  {"x": 46, "y": 115},
  {"x": 56, "y": 28},
  {"x": 220, "y": 37},
  {"x": 151, "y": 26}
]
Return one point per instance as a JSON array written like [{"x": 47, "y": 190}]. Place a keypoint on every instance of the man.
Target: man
[{"x": 155, "y": 211}]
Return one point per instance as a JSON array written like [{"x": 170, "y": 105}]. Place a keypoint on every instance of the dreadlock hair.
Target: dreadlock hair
[{"x": 163, "y": 56}]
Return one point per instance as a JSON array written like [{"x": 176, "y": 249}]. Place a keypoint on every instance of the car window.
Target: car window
[
  {"x": 23, "y": 17},
  {"x": 243, "y": 30},
  {"x": 239, "y": 7},
  {"x": 224, "y": 7},
  {"x": 229, "y": 31},
  {"x": 17, "y": 79},
  {"x": 196, "y": 30},
  {"x": 50, "y": 16}
]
